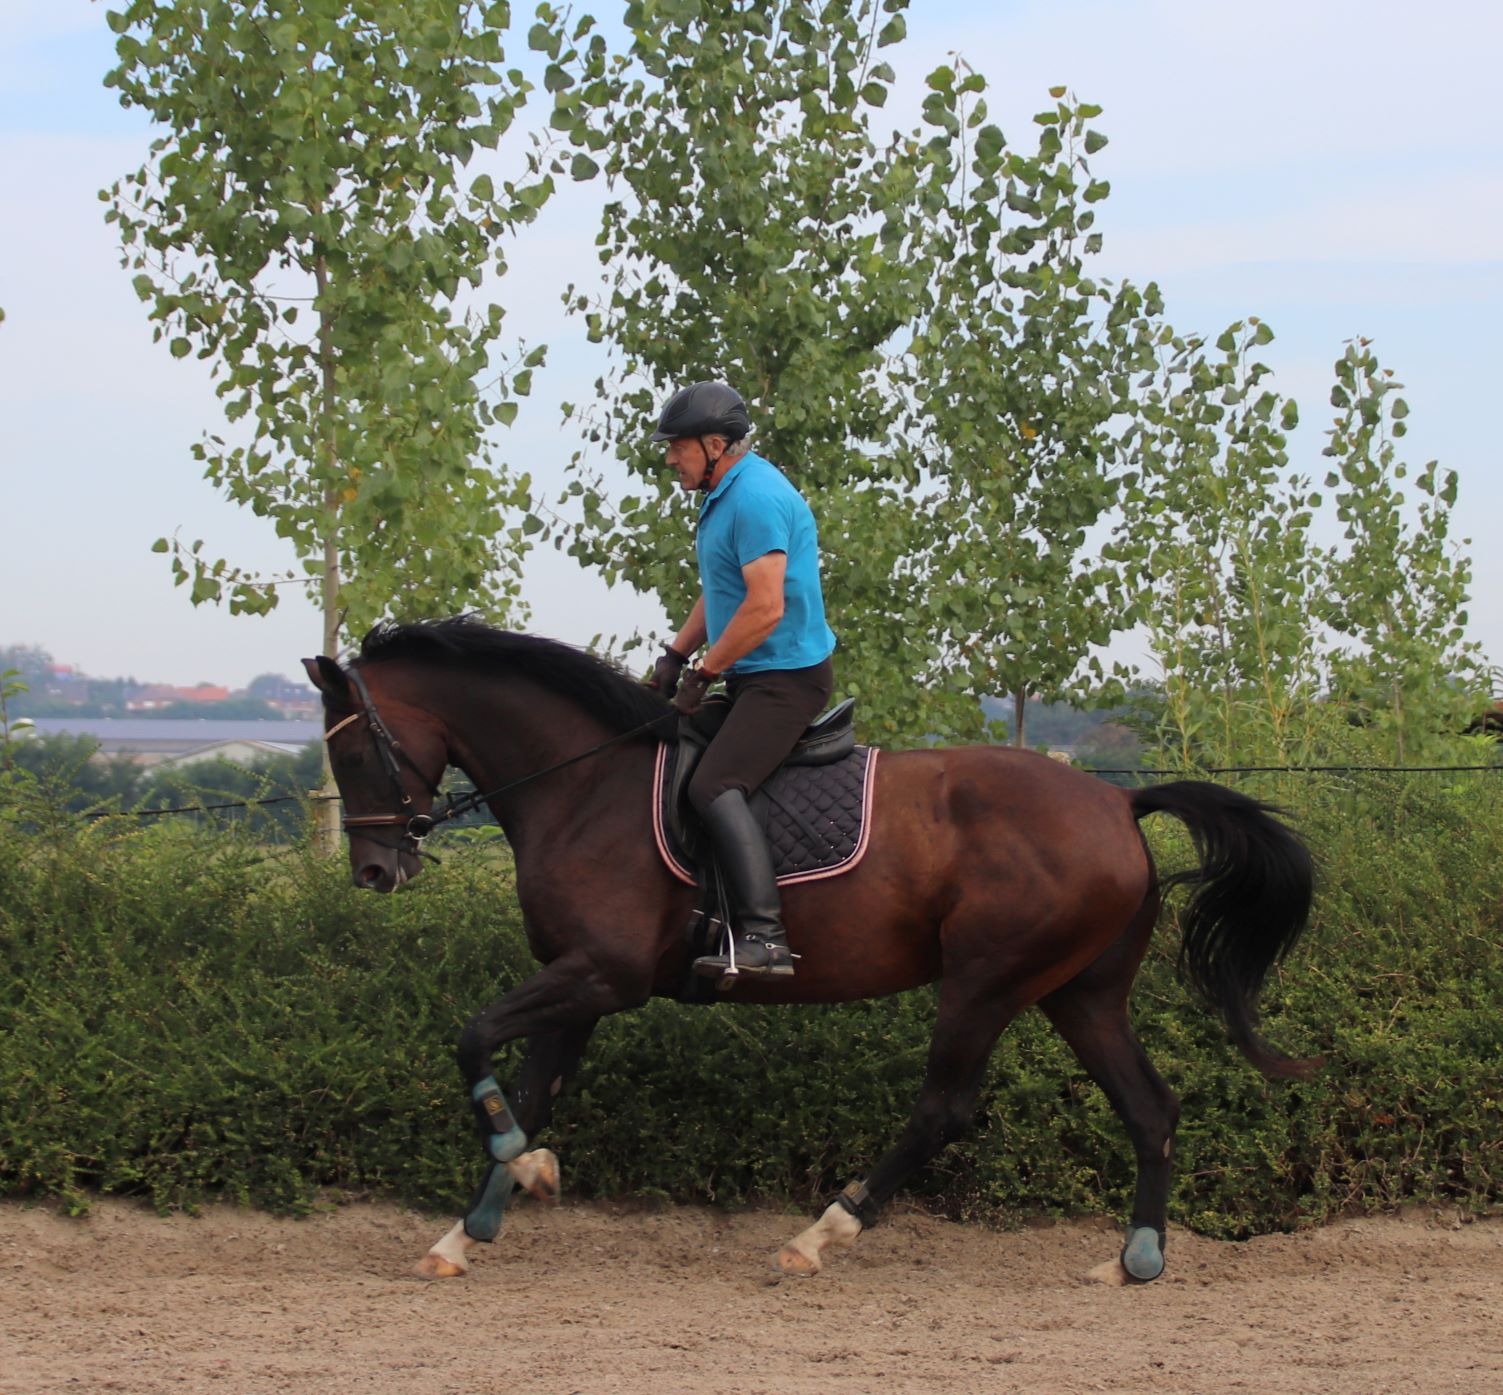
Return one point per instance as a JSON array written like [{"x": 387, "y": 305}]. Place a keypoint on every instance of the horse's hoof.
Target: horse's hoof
[
  {"x": 1111, "y": 1274},
  {"x": 1143, "y": 1255},
  {"x": 433, "y": 1266},
  {"x": 538, "y": 1173},
  {"x": 796, "y": 1263}
]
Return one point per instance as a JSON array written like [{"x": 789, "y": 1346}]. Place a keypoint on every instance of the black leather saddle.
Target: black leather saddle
[
  {"x": 813, "y": 808},
  {"x": 829, "y": 738}
]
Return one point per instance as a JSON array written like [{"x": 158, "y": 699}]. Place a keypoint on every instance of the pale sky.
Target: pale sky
[{"x": 1332, "y": 167}]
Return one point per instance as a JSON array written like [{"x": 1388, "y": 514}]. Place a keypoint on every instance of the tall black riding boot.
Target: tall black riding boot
[{"x": 760, "y": 944}]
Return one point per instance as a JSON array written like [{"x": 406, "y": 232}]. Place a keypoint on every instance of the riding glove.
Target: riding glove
[
  {"x": 665, "y": 673},
  {"x": 692, "y": 690}
]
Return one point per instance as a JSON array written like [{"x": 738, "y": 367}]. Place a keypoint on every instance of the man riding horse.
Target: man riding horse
[{"x": 761, "y": 613}]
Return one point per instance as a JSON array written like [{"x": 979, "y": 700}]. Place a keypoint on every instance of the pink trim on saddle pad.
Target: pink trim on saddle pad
[{"x": 685, "y": 875}]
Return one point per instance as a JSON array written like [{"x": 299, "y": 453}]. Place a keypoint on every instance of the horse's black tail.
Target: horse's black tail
[{"x": 1249, "y": 906}]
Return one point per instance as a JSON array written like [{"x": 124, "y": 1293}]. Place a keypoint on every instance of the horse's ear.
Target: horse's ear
[{"x": 328, "y": 678}]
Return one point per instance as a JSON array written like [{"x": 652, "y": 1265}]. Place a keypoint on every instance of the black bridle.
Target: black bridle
[{"x": 417, "y": 827}]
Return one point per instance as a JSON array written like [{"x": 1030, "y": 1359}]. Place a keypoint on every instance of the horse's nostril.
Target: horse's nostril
[{"x": 368, "y": 876}]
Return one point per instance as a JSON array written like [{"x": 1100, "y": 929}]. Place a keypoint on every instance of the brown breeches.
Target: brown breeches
[{"x": 769, "y": 712}]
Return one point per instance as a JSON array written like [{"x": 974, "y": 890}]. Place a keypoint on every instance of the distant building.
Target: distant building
[
  {"x": 287, "y": 697},
  {"x": 151, "y": 696},
  {"x": 64, "y": 682},
  {"x": 156, "y": 741},
  {"x": 155, "y": 696},
  {"x": 203, "y": 692}
]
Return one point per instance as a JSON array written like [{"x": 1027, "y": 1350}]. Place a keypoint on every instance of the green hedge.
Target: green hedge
[{"x": 186, "y": 1013}]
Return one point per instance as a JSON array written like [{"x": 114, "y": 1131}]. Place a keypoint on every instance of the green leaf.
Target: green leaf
[
  {"x": 990, "y": 143},
  {"x": 582, "y": 167},
  {"x": 893, "y": 32}
]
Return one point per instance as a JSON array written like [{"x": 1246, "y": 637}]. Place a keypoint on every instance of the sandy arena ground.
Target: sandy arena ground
[{"x": 611, "y": 1300}]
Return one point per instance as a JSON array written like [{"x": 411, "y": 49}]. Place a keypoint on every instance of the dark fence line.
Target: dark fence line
[
  {"x": 1114, "y": 775},
  {"x": 1129, "y": 777}
]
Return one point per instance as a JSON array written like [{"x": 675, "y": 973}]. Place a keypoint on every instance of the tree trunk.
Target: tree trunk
[
  {"x": 327, "y": 824},
  {"x": 1019, "y": 713}
]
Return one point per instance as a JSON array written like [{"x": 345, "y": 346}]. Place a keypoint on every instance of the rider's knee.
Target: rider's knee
[{"x": 704, "y": 792}]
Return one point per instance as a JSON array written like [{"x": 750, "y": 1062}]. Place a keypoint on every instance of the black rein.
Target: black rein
[{"x": 417, "y": 827}]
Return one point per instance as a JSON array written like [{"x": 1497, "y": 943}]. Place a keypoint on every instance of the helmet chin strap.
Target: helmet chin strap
[{"x": 706, "y": 482}]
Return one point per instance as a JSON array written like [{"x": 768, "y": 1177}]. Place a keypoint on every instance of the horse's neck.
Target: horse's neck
[{"x": 508, "y": 735}]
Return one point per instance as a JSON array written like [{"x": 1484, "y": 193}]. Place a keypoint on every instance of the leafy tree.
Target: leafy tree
[
  {"x": 282, "y": 778},
  {"x": 304, "y": 224},
  {"x": 1017, "y": 376},
  {"x": 70, "y": 776},
  {"x": 30, "y": 664},
  {"x": 1400, "y": 585},
  {"x": 1229, "y": 582},
  {"x": 12, "y": 727},
  {"x": 761, "y": 236},
  {"x": 233, "y": 709}
]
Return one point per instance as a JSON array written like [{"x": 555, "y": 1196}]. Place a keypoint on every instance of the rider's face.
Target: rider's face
[{"x": 689, "y": 460}]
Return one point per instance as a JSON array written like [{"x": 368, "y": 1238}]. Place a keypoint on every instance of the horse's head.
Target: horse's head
[{"x": 387, "y": 760}]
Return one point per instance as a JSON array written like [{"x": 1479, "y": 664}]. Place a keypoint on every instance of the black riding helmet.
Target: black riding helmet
[{"x": 704, "y": 409}]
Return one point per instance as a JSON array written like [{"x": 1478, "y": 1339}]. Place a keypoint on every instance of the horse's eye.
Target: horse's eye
[{"x": 348, "y": 759}]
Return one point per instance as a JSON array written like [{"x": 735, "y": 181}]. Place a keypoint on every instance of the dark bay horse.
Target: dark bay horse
[{"x": 1011, "y": 879}]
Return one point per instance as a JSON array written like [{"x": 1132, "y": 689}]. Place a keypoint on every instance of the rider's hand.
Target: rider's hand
[
  {"x": 692, "y": 690},
  {"x": 665, "y": 673}
]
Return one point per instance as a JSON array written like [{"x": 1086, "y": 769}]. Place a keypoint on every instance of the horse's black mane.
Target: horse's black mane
[{"x": 464, "y": 642}]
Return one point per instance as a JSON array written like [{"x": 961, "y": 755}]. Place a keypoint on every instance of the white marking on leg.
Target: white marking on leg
[
  {"x": 803, "y": 1254},
  {"x": 451, "y": 1251}
]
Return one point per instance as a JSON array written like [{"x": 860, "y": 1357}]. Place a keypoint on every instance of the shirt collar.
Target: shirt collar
[{"x": 725, "y": 482}]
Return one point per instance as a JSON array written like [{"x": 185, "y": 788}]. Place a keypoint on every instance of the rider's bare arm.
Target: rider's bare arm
[
  {"x": 756, "y": 617},
  {"x": 693, "y": 633}
]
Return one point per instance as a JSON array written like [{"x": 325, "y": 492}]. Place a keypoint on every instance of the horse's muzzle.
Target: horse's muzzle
[{"x": 382, "y": 869}]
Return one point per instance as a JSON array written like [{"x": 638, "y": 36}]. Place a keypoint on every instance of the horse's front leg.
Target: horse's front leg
[
  {"x": 557, "y": 1010},
  {"x": 550, "y": 1060}
]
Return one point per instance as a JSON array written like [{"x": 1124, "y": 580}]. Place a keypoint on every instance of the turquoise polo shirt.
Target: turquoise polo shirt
[{"x": 754, "y": 510}]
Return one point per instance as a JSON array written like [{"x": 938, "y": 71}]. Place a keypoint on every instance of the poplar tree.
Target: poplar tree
[
  {"x": 1228, "y": 580},
  {"x": 760, "y": 235},
  {"x": 1399, "y": 581},
  {"x": 305, "y": 224},
  {"x": 1019, "y": 377}
]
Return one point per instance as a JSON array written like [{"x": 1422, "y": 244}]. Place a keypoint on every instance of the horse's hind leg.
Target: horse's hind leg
[
  {"x": 1090, "y": 1012},
  {"x": 550, "y": 1059},
  {"x": 970, "y": 1021}
]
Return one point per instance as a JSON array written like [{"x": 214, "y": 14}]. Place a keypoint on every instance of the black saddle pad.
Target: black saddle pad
[{"x": 817, "y": 817}]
